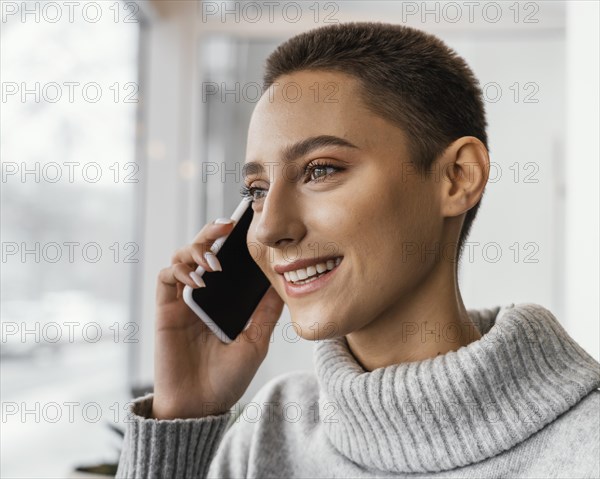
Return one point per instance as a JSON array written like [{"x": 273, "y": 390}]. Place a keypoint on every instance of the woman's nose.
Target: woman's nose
[{"x": 279, "y": 220}]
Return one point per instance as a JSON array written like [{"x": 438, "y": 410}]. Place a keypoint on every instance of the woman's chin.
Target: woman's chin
[{"x": 314, "y": 330}]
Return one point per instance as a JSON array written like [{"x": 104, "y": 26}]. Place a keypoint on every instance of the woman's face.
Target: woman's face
[{"x": 362, "y": 203}]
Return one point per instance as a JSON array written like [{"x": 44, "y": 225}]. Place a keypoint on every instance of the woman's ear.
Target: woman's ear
[{"x": 465, "y": 168}]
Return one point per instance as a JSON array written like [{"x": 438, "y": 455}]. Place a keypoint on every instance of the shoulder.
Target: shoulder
[
  {"x": 266, "y": 432},
  {"x": 282, "y": 403},
  {"x": 289, "y": 395},
  {"x": 582, "y": 421},
  {"x": 571, "y": 443},
  {"x": 294, "y": 385}
]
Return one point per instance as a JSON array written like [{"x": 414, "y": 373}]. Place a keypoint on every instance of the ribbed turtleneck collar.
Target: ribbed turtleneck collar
[{"x": 458, "y": 408}]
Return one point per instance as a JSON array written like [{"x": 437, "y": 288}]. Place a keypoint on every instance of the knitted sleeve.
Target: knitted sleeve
[{"x": 177, "y": 448}]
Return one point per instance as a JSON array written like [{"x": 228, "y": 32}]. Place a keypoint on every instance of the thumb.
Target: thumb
[{"x": 264, "y": 318}]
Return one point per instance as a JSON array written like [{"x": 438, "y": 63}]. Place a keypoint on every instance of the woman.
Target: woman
[{"x": 383, "y": 155}]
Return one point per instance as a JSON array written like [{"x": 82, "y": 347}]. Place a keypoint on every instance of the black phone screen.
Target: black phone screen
[{"x": 231, "y": 295}]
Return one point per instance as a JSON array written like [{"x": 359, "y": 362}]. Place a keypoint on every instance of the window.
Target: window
[{"x": 69, "y": 180}]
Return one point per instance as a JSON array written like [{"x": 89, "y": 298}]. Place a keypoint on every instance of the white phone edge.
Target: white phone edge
[{"x": 187, "y": 290}]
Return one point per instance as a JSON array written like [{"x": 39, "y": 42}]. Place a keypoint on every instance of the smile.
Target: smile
[
  {"x": 301, "y": 281},
  {"x": 307, "y": 275}
]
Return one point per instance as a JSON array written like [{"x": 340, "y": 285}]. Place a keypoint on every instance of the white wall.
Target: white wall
[{"x": 582, "y": 173}]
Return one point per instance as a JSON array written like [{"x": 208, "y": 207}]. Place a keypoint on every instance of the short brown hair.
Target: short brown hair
[{"x": 408, "y": 77}]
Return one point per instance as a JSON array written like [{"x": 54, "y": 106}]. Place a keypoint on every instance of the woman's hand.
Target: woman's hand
[{"x": 196, "y": 374}]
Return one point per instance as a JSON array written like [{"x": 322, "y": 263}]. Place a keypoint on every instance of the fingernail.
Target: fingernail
[
  {"x": 223, "y": 221},
  {"x": 197, "y": 279},
  {"x": 212, "y": 261}
]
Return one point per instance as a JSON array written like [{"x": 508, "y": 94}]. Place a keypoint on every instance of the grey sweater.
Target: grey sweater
[{"x": 522, "y": 401}]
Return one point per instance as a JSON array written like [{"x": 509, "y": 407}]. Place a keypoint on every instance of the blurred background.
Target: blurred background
[{"x": 123, "y": 131}]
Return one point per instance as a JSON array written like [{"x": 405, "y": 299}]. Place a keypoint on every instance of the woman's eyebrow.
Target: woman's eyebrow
[{"x": 298, "y": 150}]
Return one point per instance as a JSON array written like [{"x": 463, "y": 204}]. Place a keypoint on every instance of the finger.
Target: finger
[
  {"x": 204, "y": 240},
  {"x": 211, "y": 231},
  {"x": 169, "y": 279},
  {"x": 197, "y": 254}
]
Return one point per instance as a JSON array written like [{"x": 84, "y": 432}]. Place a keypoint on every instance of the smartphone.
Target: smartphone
[{"x": 230, "y": 296}]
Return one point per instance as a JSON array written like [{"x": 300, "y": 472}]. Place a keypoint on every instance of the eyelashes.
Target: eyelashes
[{"x": 249, "y": 191}]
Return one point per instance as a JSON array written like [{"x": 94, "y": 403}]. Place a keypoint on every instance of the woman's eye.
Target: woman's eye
[
  {"x": 253, "y": 193},
  {"x": 261, "y": 192},
  {"x": 250, "y": 192},
  {"x": 314, "y": 173},
  {"x": 320, "y": 171}
]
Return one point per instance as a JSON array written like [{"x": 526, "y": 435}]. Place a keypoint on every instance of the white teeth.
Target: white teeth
[{"x": 302, "y": 274}]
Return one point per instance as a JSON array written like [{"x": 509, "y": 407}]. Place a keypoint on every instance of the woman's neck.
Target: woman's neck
[{"x": 426, "y": 322}]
